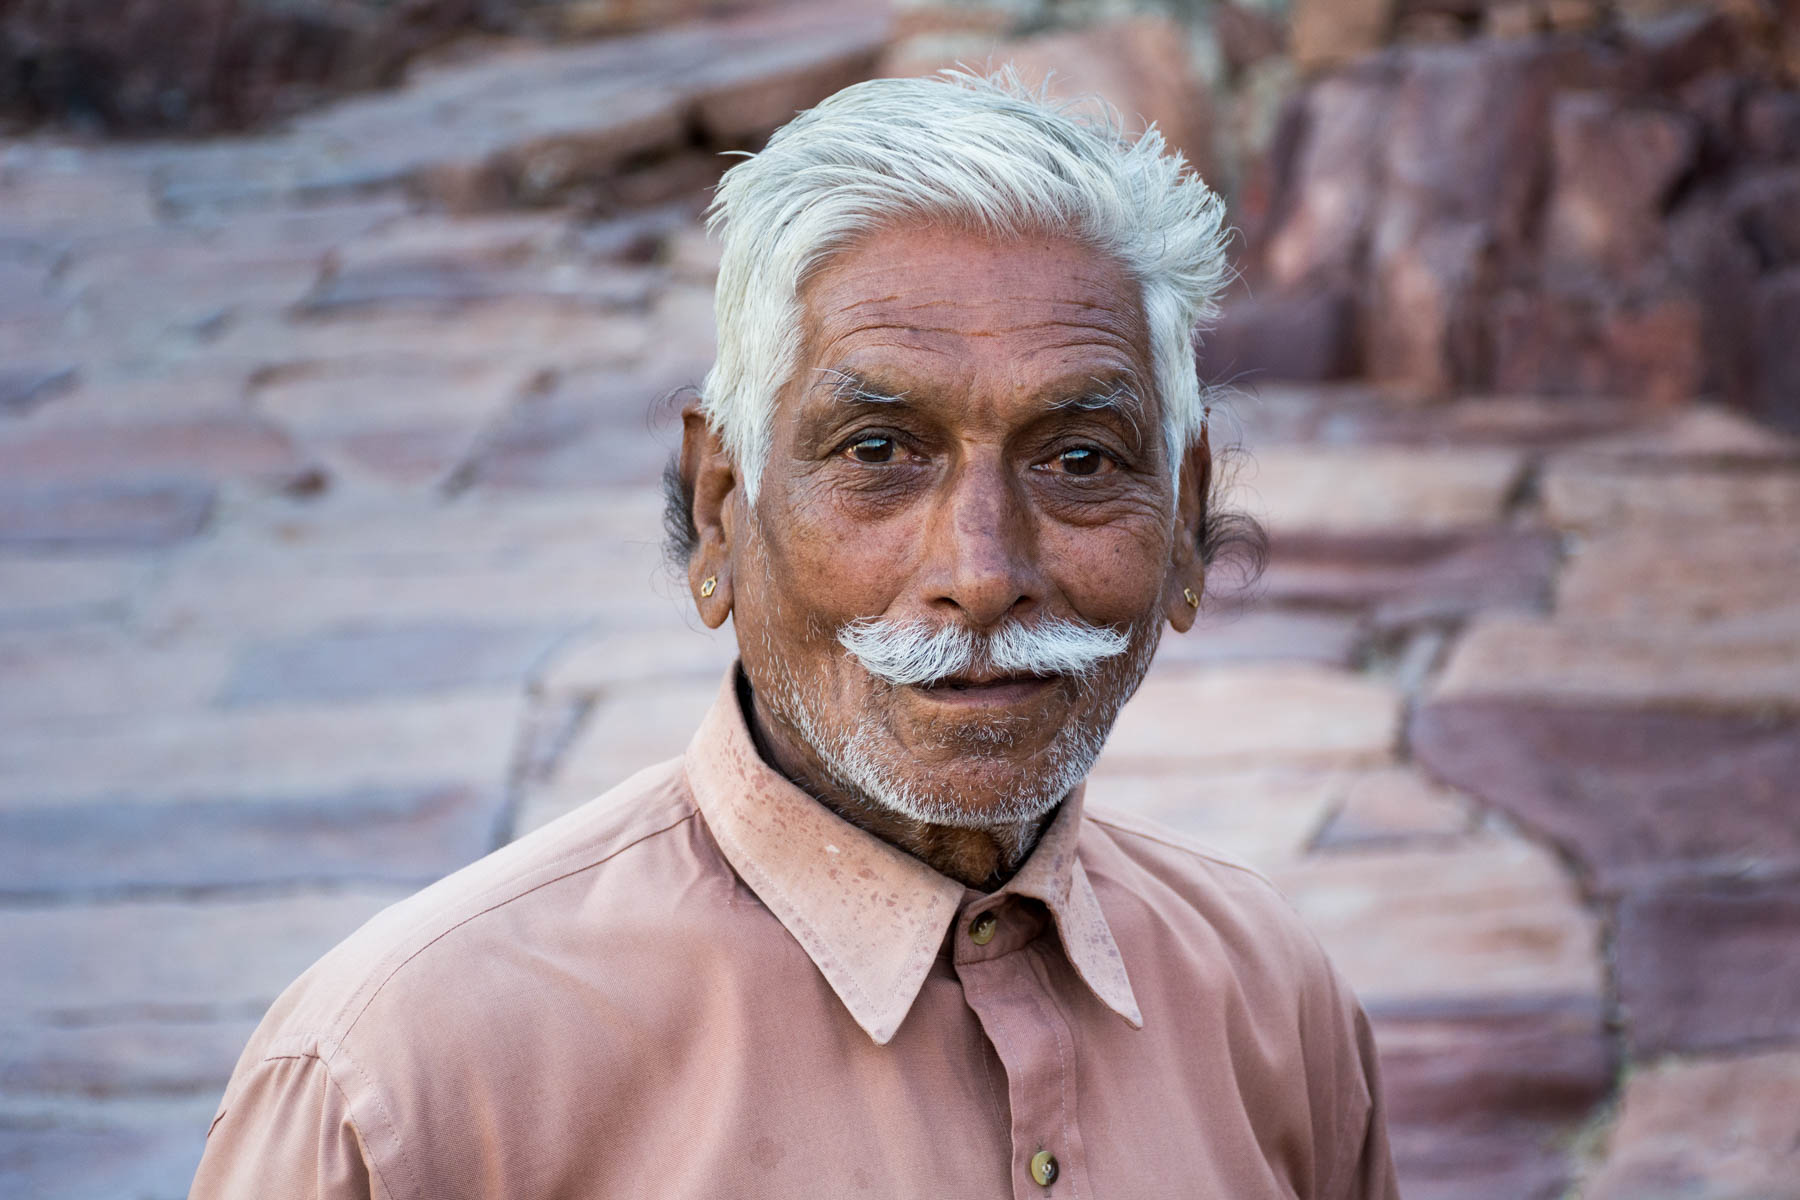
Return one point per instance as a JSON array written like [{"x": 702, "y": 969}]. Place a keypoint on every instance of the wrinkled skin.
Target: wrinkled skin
[{"x": 1018, "y": 471}]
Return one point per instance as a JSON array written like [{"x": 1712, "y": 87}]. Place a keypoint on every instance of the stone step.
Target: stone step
[{"x": 538, "y": 125}]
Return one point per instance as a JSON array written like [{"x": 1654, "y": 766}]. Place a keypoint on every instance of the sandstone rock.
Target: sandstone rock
[
  {"x": 400, "y": 835},
  {"x": 220, "y": 448},
  {"x": 170, "y": 959},
  {"x": 392, "y": 661},
  {"x": 1615, "y": 168},
  {"x": 274, "y": 752},
  {"x": 1277, "y": 715},
  {"x": 1767, "y": 210},
  {"x": 1582, "y": 495},
  {"x": 103, "y": 516},
  {"x": 1429, "y": 579},
  {"x": 1396, "y": 806},
  {"x": 1695, "y": 435},
  {"x": 1246, "y": 36},
  {"x": 1466, "y": 146},
  {"x": 598, "y": 663},
  {"x": 41, "y": 592},
  {"x": 1744, "y": 671},
  {"x": 25, "y": 388},
  {"x": 129, "y": 1147},
  {"x": 1776, "y": 313},
  {"x": 1494, "y": 917},
  {"x": 601, "y": 428},
  {"x": 1425, "y": 329},
  {"x": 1709, "y": 966},
  {"x": 1739, "y": 577},
  {"x": 1308, "y": 336},
  {"x": 625, "y": 733},
  {"x": 1261, "y": 634},
  {"x": 1636, "y": 795},
  {"x": 1484, "y": 1095},
  {"x": 1336, "y": 185},
  {"x": 1263, "y": 817},
  {"x": 125, "y": 1058},
  {"x": 1324, "y": 33},
  {"x": 1376, "y": 492},
  {"x": 1707, "y": 1128},
  {"x": 1140, "y": 66}
]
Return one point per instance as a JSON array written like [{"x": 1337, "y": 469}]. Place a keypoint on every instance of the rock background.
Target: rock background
[
  {"x": 1556, "y": 199},
  {"x": 329, "y": 555}
]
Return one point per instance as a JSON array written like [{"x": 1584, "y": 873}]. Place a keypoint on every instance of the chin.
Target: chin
[{"x": 970, "y": 792}]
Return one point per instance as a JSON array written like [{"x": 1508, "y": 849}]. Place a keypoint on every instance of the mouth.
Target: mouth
[{"x": 987, "y": 691}]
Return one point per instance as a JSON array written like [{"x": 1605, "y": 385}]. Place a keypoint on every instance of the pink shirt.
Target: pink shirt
[{"x": 705, "y": 983}]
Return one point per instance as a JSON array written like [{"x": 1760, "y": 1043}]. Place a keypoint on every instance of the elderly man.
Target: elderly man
[{"x": 949, "y": 478}]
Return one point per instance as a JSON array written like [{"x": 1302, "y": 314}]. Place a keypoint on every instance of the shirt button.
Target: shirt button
[
  {"x": 983, "y": 928},
  {"x": 1043, "y": 1167}
]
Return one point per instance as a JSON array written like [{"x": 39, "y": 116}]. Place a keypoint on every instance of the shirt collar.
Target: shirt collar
[{"x": 870, "y": 916}]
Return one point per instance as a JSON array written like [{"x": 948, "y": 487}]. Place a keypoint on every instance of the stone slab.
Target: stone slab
[
  {"x": 57, "y": 675},
  {"x": 36, "y": 592},
  {"x": 264, "y": 752},
  {"x": 103, "y": 515},
  {"x": 1633, "y": 666},
  {"x": 141, "y": 1148},
  {"x": 212, "y": 448},
  {"x": 1377, "y": 491},
  {"x": 1264, "y": 715},
  {"x": 1485, "y": 1097},
  {"x": 1582, "y": 496},
  {"x": 1634, "y": 796},
  {"x": 1709, "y": 966},
  {"x": 123, "y": 1058},
  {"x": 1494, "y": 916},
  {"x": 165, "y": 959},
  {"x": 1392, "y": 808},
  {"x": 1263, "y": 634},
  {"x": 1425, "y": 579},
  {"x": 1707, "y": 1129},
  {"x": 357, "y": 664},
  {"x": 1734, "y": 575},
  {"x": 624, "y": 733},
  {"x": 1260, "y": 817},
  {"x": 598, "y": 662},
  {"x": 25, "y": 388},
  {"x": 401, "y": 835}
]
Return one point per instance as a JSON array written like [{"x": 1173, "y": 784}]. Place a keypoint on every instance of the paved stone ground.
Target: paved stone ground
[{"x": 328, "y": 561}]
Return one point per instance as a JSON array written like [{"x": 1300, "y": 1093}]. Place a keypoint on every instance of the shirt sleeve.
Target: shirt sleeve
[
  {"x": 285, "y": 1133},
  {"x": 1368, "y": 1173}
]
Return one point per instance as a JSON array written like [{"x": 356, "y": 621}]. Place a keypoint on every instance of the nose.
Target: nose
[{"x": 981, "y": 547}]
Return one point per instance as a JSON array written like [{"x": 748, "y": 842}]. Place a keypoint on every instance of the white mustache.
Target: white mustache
[{"x": 915, "y": 653}]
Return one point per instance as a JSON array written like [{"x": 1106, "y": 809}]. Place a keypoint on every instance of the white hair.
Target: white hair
[{"x": 986, "y": 154}]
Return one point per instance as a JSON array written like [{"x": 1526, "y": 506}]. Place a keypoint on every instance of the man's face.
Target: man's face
[{"x": 972, "y": 439}]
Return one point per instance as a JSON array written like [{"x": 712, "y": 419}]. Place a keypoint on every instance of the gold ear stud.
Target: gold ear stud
[
  {"x": 1187, "y": 593},
  {"x": 710, "y": 586}
]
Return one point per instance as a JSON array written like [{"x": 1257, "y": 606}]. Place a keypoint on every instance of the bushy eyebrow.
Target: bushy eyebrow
[
  {"x": 850, "y": 388},
  {"x": 1119, "y": 395}
]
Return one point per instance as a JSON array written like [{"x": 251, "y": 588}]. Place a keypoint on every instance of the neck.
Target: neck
[{"x": 982, "y": 858}]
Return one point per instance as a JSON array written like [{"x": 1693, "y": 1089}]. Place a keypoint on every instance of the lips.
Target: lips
[{"x": 963, "y": 683}]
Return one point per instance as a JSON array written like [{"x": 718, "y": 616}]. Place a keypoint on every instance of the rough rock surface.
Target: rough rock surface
[
  {"x": 328, "y": 561},
  {"x": 1594, "y": 201}
]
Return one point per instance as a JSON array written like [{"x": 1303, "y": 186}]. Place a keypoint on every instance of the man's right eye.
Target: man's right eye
[{"x": 871, "y": 450}]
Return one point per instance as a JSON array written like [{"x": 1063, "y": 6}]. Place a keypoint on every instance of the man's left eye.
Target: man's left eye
[{"x": 1083, "y": 460}]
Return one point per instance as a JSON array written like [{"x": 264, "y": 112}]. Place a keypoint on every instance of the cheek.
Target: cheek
[{"x": 1112, "y": 574}]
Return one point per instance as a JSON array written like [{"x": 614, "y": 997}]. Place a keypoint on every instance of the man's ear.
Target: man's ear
[
  {"x": 709, "y": 480},
  {"x": 1186, "y": 582}
]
